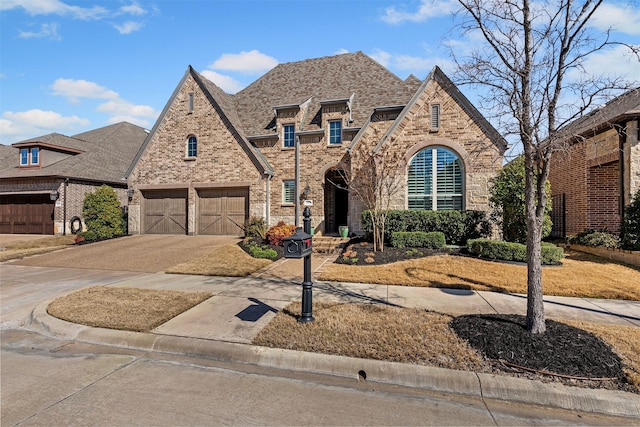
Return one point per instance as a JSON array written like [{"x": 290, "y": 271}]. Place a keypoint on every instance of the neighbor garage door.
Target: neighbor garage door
[
  {"x": 222, "y": 211},
  {"x": 165, "y": 212},
  {"x": 26, "y": 214}
]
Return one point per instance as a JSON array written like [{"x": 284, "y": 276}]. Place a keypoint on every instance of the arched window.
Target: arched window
[
  {"x": 435, "y": 180},
  {"x": 192, "y": 146}
]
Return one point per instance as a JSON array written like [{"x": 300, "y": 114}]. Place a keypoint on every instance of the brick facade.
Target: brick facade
[
  {"x": 222, "y": 160},
  {"x": 600, "y": 170}
]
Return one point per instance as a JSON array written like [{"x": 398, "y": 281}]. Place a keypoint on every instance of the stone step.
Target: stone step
[{"x": 328, "y": 244}]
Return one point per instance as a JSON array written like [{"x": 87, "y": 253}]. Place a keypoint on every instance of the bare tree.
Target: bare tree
[
  {"x": 374, "y": 178},
  {"x": 531, "y": 61}
]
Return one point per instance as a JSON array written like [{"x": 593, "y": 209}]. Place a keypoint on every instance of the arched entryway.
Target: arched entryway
[{"x": 336, "y": 201}]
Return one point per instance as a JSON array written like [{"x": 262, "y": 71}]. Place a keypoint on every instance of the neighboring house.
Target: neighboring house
[
  {"x": 597, "y": 170},
  {"x": 43, "y": 180},
  {"x": 212, "y": 160}
]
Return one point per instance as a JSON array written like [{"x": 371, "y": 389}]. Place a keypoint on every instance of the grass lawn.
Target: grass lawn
[
  {"x": 581, "y": 275},
  {"x": 25, "y": 248},
  {"x": 229, "y": 260}
]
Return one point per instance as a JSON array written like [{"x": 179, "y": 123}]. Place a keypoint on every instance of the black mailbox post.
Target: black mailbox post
[{"x": 300, "y": 246}]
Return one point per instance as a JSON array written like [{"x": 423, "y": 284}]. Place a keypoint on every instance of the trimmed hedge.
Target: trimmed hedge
[
  {"x": 595, "y": 238},
  {"x": 457, "y": 226},
  {"x": 418, "y": 239},
  {"x": 509, "y": 251}
]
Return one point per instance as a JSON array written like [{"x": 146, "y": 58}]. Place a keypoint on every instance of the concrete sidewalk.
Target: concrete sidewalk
[{"x": 222, "y": 328}]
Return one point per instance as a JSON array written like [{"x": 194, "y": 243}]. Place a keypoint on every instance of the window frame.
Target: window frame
[
  {"x": 34, "y": 152},
  {"x": 192, "y": 152},
  {"x": 292, "y": 191},
  {"x": 190, "y": 102},
  {"x": 289, "y": 135},
  {"x": 335, "y": 134},
  {"x": 433, "y": 176},
  {"x": 25, "y": 156}
]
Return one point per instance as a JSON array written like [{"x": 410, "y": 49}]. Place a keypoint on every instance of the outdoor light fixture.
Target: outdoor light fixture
[
  {"x": 54, "y": 195},
  {"x": 130, "y": 194}
]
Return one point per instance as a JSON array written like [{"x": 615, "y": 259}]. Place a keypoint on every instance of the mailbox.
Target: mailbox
[{"x": 297, "y": 245}]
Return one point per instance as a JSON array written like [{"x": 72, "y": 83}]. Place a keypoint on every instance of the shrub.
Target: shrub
[
  {"x": 511, "y": 251},
  {"x": 508, "y": 204},
  {"x": 590, "y": 237},
  {"x": 88, "y": 236},
  {"x": 631, "y": 225},
  {"x": 278, "y": 232},
  {"x": 266, "y": 252},
  {"x": 103, "y": 214},
  {"x": 418, "y": 239},
  {"x": 457, "y": 226},
  {"x": 255, "y": 227}
]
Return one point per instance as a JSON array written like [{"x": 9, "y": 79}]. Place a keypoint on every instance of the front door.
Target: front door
[{"x": 336, "y": 201}]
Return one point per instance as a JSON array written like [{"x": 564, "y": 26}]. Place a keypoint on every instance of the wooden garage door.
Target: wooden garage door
[
  {"x": 26, "y": 214},
  {"x": 165, "y": 212},
  {"x": 222, "y": 211}
]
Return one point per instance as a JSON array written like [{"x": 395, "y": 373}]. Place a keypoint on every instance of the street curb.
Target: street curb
[{"x": 480, "y": 385}]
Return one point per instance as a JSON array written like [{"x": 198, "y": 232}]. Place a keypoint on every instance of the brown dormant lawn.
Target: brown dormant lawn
[
  {"x": 21, "y": 249},
  {"x": 581, "y": 275},
  {"x": 229, "y": 260}
]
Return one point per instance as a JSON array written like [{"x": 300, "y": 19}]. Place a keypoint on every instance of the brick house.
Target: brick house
[
  {"x": 43, "y": 180},
  {"x": 597, "y": 172},
  {"x": 212, "y": 160}
]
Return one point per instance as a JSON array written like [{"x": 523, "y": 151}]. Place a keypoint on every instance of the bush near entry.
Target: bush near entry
[
  {"x": 457, "y": 226},
  {"x": 510, "y": 251},
  {"x": 418, "y": 239},
  {"x": 278, "y": 232}
]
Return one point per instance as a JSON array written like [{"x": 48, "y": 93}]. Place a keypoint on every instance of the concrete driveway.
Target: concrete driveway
[{"x": 140, "y": 253}]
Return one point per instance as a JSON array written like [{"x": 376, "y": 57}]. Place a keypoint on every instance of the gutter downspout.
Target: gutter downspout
[
  {"x": 297, "y": 183},
  {"x": 268, "y": 198},
  {"x": 64, "y": 211}
]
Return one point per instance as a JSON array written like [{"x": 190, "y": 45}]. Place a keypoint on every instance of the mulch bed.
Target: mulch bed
[
  {"x": 360, "y": 252},
  {"x": 244, "y": 245}
]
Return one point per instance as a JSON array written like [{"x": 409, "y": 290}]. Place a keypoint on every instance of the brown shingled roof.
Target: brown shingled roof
[
  {"x": 322, "y": 79},
  {"x": 105, "y": 154}
]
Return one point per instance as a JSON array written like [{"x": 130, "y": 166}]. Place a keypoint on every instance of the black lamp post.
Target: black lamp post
[{"x": 307, "y": 285}]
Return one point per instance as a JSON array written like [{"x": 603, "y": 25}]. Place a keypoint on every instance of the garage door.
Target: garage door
[
  {"x": 165, "y": 212},
  {"x": 222, "y": 211},
  {"x": 26, "y": 214}
]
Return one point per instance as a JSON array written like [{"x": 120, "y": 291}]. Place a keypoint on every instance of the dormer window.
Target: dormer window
[
  {"x": 288, "y": 136},
  {"x": 30, "y": 156},
  {"x": 335, "y": 132}
]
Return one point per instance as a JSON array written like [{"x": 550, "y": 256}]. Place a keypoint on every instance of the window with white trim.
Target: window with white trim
[
  {"x": 30, "y": 156},
  {"x": 335, "y": 132},
  {"x": 288, "y": 135},
  {"x": 289, "y": 191},
  {"x": 435, "y": 117},
  {"x": 435, "y": 180},
  {"x": 192, "y": 146}
]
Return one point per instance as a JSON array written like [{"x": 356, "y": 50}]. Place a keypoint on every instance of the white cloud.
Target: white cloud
[
  {"x": 128, "y": 27},
  {"x": 419, "y": 66},
  {"x": 247, "y": 62},
  {"x": 120, "y": 107},
  {"x": 133, "y": 9},
  {"x": 48, "y": 31},
  {"x": 341, "y": 51},
  {"x": 625, "y": 19},
  {"x": 147, "y": 124},
  {"x": 427, "y": 9},
  {"x": 618, "y": 61},
  {"x": 226, "y": 83},
  {"x": 18, "y": 126},
  {"x": 75, "y": 89},
  {"x": 54, "y": 7}
]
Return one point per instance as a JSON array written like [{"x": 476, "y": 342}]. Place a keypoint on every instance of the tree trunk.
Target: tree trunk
[{"x": 535, "y": 306}]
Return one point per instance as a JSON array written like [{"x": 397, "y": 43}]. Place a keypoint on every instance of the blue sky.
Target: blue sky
[{"x": 69, "y": 66}]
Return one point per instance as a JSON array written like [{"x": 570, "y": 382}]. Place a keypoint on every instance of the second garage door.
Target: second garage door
[
  {"x": 165, "y": 212},
  {"x": 222, "y": 211},
  {"x": 26, "y": 214}
]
